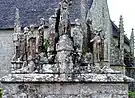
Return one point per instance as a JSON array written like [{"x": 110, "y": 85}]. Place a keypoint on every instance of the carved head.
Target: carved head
[
  {"x": 77, "y": 22},
  {"x": 32, "y": 28},
  {"x": 41, "y": 28},
  {"x": 23, "y": 95},
  {"x": 52, "y": 19},
  {"x": 26, "y": 30},
  {"x": 89, "y": 22},
  {"x": 42, "y": 21}
]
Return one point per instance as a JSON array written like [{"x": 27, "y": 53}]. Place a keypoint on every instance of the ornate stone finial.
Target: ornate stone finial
[
  {"x": 132, "y": 34},
  {"x": 121, "y": 29},
  {"x": 17, "y": 25},
  {"x": 121, "y": 25},
  {"x": 132, "y": 43}
]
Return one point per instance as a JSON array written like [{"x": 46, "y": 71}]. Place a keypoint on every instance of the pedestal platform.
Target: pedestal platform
[{"x": 88, "y": 85}]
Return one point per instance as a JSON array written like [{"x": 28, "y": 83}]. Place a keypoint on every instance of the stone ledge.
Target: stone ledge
[{"x": 90, "y": 77}]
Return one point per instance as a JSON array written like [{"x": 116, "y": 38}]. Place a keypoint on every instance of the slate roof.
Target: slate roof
[
  {"x": 32, "y": 10},
  {"x": 116, "y": 33},
  {"x": 115, "y": 29}
]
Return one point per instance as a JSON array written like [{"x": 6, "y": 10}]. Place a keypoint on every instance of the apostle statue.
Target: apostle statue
[
  {"x": 98, "y": 45},
  {"x": 40, "y": 38},
  {"x": 77, "y": 36}
]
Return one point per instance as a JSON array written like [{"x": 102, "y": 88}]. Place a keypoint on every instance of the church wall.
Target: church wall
[{"x": 6, "y": 51}]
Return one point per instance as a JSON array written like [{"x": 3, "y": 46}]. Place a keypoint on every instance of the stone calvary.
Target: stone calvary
[{"x": 70, "y": 63}]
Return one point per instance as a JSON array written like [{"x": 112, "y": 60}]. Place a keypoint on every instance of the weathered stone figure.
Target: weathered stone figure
[
  {"x": 98, "y": 46},
  {"x": 52, "y": 21},
  {"x": 64, "y": 18},
  {"x": 16, "y": 44},
  {"x": 90, "y": 35},
  {"x": 32, "y": 47},
  {"x": 31, "y": 43},
  {"x": 40, "y": 38},
  {"x": 16, "y": 35},
  {"x": 78, "y": 36},
  {"x": 31, "y": 31},
  {"x": 51, "y": 39}
]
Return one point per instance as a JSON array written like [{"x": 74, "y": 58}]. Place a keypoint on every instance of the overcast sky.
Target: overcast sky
[{"x": 126, "y": 8}]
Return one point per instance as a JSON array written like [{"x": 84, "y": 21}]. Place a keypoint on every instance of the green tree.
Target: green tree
[
  {"x": 0, "y": 93},
  {"x": 46, "y": 45},
  {"x": 131, "y": 94}
]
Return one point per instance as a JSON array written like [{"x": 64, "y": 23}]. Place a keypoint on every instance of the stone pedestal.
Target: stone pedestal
[{"x": 56, "y": 86}]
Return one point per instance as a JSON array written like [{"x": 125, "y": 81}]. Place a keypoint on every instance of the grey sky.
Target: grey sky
[{"x": 126, "y": 8}]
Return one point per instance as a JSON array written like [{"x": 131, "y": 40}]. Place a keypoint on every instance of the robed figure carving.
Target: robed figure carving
[{"x": 98, "y": 46}]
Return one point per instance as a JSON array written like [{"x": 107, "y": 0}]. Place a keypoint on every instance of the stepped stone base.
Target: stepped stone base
[{"x": 56, "y": 86}]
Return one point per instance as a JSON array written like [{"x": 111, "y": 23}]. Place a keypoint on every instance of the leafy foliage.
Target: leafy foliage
[
  {"x": 0, "y": 93},
  {"x": 46, "y": 45},
  {"x": 131, "y": 94}
]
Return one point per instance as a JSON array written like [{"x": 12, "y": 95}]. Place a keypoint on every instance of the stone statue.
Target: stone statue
[
  {"x": 40, "y": 38},
  {"x": 64, "y": 17},
  {"x": 31, "y": 31},
  {"x": 23, "y": 44},
  {"x": 98, "y": 46},
  {"x": 77, "y": 36},
  {"x": 32, "y": 47},
  {"x": 90, "y": 35},
  {"x": 52, "y": 36},
  {"x": 52, "y": 21},
  {"x": 31, "y": 65},
  {"x": 31, "y": 42},
  {"x": 17, "y": 44}
]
